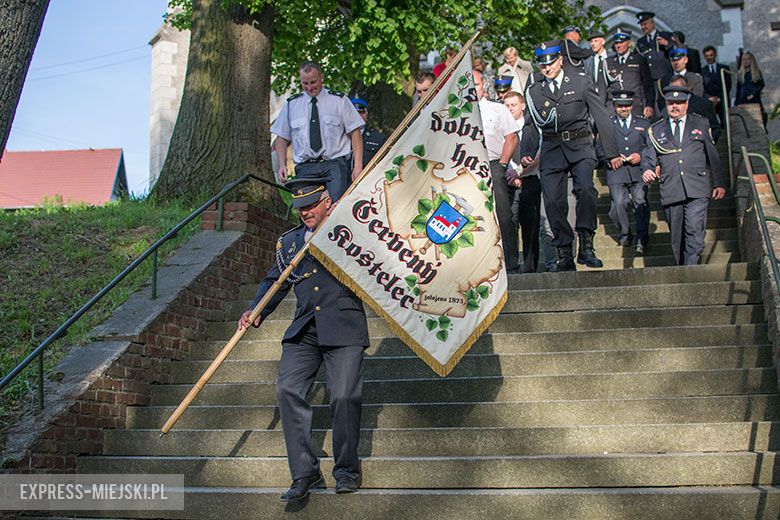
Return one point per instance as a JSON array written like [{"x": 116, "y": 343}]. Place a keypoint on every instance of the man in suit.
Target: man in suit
[
  {"x": 560, "y": 107},
  {"x": 694, "y": 58},
  {"x": 654, "y": 46},
  {"x": 713, "y": 88},
  {"x": 574, "y": 55},
  {"x": 682, "y": 146},
  {"x": 373, "y": 139},
  {"x": 679, "y": 58},
  {"x": 699, "y": 105},
  {"x": 632, "y": 72},
  {"x": 329, "y": 326},
  {"x": 625, "y": 183},
  {"x": 596, "y": 66}
]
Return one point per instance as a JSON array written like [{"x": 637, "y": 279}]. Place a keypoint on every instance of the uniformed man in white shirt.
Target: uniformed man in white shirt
[
  {"x": 324, "y": 130},
  {"x": 501, "y": 140}
]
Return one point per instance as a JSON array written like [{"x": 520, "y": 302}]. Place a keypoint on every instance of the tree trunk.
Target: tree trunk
[
  {"x": 20, "y": 27},
  {"x": 222, "y": 130}
]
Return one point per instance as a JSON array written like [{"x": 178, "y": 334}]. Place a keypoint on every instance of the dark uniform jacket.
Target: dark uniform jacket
[
  {"x": 631, "y": 141},
  {"x": 712, "y": 84},
  {"x": 691, "y": 170},
  {"x": 632, "y": 75},
  {"x": 657, "y": 57},
  {"x": 372, "y": 141},
  {"x": 573, "y": 56},
  {"x": 576, "y": 99},
  {"x": 338, "y": 313},
  {"x": 603, "y": 80},
  {"x": 703, "y": 107}
]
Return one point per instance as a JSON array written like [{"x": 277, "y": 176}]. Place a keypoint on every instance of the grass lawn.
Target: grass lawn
[{"x": 53, "y": 260}]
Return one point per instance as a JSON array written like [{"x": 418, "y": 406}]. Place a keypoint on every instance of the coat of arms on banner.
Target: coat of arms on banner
[{"x": 417, "y": 237}]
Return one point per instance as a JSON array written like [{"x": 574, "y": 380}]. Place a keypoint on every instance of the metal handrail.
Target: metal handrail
[
  {"x": 769, "y": 173},
  {"x": 152, "y": 250},
  {"x": 726, "y": 102},
  {"x": 762, "y": 218}
]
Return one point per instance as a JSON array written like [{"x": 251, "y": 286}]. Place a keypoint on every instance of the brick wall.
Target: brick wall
[{"x": 78, "y": 430}]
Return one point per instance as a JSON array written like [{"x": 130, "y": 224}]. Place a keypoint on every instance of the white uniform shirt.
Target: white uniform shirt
[
  {"x": 338, "y": 118},
  {"x": 497, "y": 122}
]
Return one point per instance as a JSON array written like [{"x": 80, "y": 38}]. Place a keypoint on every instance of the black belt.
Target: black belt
[
  {"x": 322, "y": 159},
  {"x": 568, "y": 135}
]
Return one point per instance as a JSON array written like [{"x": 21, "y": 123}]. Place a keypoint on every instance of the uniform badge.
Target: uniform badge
[
  {"x": 293, "y": 248},
  {"x": 547, "y": 103}
]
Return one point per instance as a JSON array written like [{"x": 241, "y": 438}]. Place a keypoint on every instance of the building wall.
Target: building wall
[{"x": 765, "y": 45}]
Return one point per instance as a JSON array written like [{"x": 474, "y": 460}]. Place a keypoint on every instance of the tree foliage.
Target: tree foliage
[{"x": 379, "y": 41}]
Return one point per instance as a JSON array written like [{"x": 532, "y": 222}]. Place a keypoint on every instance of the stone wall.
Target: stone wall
[{"x": 104, "y": 377}]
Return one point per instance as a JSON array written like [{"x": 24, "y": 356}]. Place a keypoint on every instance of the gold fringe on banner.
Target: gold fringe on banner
[{"x": 441, "y": 370}]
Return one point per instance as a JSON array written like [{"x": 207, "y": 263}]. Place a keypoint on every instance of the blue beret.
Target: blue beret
[{"x": 360, "y": 104}]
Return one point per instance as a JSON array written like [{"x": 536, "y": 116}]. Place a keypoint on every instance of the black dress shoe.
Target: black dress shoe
[
  {"x": 302, "y": 486},
  {"x": 346, "y": 485},
  {"x": 626, "y": 240},
  {"x": 640, "y": 248}
]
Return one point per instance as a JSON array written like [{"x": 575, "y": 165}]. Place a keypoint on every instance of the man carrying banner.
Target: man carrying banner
[
  {"x": 560, "y": 106},
  {"x": 329, "y": 326}
]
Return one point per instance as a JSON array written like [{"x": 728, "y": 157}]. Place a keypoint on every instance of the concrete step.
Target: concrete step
[
  {"x": 499, "y": 414},
  {"x": 661, "y": 236},
  {"x": 654, "y": 195},
  {"x": 550, "y": 321},
  {"x": 657, "y": 275},
  {"x": 723, "y": 502},
  {"x": 453, "y": 442},
  {"x": 657, "y": 215},
  {"x": 503, "y": 388},
  {"x": 655, "y": 249},
  {"x": 543, "y": 471},
  {"x": 554, "y": 363},
  {"x": 659, "y": 261},
  {"x": 607, "y": 227},
  {"x": 532, "y": 342},
  {"x": 590, "y": 298}
]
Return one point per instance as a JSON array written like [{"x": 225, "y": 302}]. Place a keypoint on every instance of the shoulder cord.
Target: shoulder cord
[
  {"x": 575, "y": 63},
  {"x": 281, "y": 265},
  {"x": 657, "y": 145},
  {"x": 537, "y": 117}
]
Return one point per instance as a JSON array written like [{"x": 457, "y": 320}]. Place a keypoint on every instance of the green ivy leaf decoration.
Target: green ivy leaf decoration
[
  {"x": 419, "y": 149},
  {"x": 424, "y": 206},
  {"x": 489, "y": 205},
  {"x": 398, "y": 160},
  {"x": 463, "y": 81},
  {"x": 390, "y": 175},
  {"x": 483, "y": 291},
  {"x": 442, "y": 335},
  {"x": 411, "y": 280},
  {"x": 430, "y": 324},
  {"x": 440, "y": 197},
  {"x": 452, "y": 99},
  {"x": 466, "y": 239},
  {"x": 482, "y": 185},
  {"x": 467, "y": 107},
  {"x": 422, "y": 164},
  {"x": 471, "y": 294},
  {"x": 416, "y": 291},
  {"x": 444, "y": 322},
  {"x": 454, "y": 112},
  {"x": 419, "y": 223},
  {"x": 472, "y": 305},
  {"x": 449, "y": 249}
]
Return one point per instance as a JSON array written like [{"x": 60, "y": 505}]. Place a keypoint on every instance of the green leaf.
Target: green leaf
[
  {"x": 422, "y": 164},
  {"x": 411, "y": 280},
  {"x": 483, "y": 291},
  {"x": 466, "y": 239},
  {"x": 467, "y": 107},
  {"x": 430, "y": 324},
  {"x": 452, "y": 99},
  {"x": 419, "y": 223},
  {"x": 416, "y": 291},
  {"x": 390, "y": 175},
  {"x": 472, "y": 304},
  {"x": 440, "y": 197},
  {"x": 471, "y": 294},
  {"x": 398, "y": 160},
  {"x": 482, "y": 186},
  {"x": 463, "y": 81},
  {"x": 449, "y": 249},
  {"x": 444, "y": 322},
  {"x": 489, "y": 205},
  {"x": 454, "y": 112},
  {"x": 419, "y": 149},
  {"x": 424, "y": 206},
  {"x": 442, "y": 335}
]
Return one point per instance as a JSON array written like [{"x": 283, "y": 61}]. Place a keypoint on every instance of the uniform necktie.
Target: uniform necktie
[
  {"x": 676, "y": 131},
  {"x": 554, "y": 87},
  {"x": 712, "y": 68},
  {"x": 625, "y": 125},
  {"x": 599, "y": 68},
  {"x": 622, "y": 60},
  {"x": 315, "y": 137}
]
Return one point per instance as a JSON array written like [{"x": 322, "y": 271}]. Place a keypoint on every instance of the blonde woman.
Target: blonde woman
[{"x": 750, "y": 81}]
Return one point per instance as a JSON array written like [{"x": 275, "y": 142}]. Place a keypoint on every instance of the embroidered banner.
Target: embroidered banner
[{"x": 417, "y": 237}]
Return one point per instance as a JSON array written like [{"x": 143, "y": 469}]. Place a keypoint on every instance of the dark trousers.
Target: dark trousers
[
  {"x": 336, "y": 172},
  {"x": 618, "y": 211},
  {"x": 555, "y": 200},
  {"x": 503, "y": 209},
  {"x": 300, "y": 361},
  {"x": 526, "y": 204},
  {"x": 687, "y": 222}
]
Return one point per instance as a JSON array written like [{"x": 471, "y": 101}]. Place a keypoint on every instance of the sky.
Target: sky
[{"x": 89, "y": 82}]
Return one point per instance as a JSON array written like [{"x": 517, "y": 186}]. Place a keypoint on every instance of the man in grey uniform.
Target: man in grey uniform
[
  {"x": 681, "y": 144},
  {"x": 324, "y": 129},
  {"x": 329, "y": 326},
  {"x": 632, "y": 73},
  {"x": 654, "y": 46}
]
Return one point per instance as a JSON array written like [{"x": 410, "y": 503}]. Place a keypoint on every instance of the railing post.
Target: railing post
[
  {"x": 40, "y": 381},
  {"x": 154, "y": 274},
  {"x": 726, "y": 102},
  {"x": 220, "y": 207}
]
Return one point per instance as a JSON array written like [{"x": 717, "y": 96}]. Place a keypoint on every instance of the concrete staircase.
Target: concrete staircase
[{"x": 644, "y": 392}]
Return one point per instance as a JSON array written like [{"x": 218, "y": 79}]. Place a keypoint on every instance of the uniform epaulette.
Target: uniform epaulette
[
  {"x": 659, "y": 121},
  {"x": 291, "y": 230},
  {"x": 641, "y": 117},
  {"x": 295, "y": 96},
  {"x": 339, "y": 94}
]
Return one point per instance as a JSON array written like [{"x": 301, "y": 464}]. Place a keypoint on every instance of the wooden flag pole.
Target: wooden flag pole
[{"x": 400, "y": 129}]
